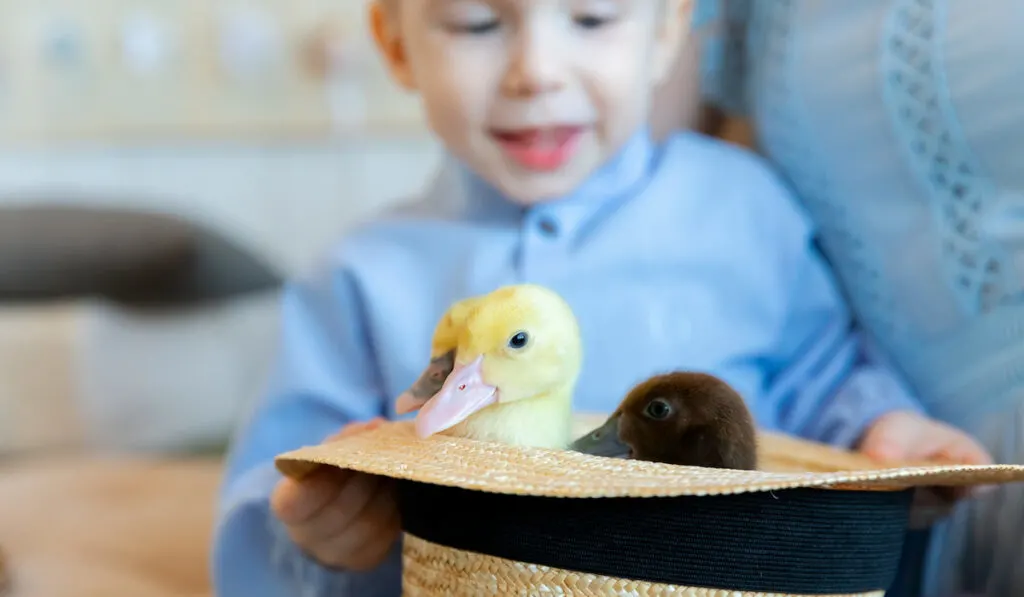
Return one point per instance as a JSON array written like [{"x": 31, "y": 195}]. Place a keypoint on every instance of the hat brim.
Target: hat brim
[{"x": 393, "y": 450}]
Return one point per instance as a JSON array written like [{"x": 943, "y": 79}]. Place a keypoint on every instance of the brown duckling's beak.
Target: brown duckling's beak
[{"x": 604, "y": 441}]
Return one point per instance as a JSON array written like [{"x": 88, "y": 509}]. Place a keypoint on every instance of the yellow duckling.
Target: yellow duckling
[{"x": 517, "y": 358}]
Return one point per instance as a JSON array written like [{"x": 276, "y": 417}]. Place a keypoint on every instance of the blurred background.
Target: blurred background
[
  {"x": 163, "y": 167},
  {"x": 269, "y": 125}
]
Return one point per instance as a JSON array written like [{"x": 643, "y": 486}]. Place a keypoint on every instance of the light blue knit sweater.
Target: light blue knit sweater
[{"x": 900, "y": 124}]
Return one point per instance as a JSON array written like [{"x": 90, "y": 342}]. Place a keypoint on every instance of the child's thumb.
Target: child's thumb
[
  {"x": 886, "y": 448},
  {"x": 356, "y": 427}
]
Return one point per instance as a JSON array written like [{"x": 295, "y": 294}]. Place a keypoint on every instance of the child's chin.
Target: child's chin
[{"x": 531, "y": 187}]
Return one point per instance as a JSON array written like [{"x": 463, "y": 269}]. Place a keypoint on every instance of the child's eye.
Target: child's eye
[
  {"x": 471, "y": 17},
  {"x": 591, "y": 21},
  {"x": 476, "y": 28}
]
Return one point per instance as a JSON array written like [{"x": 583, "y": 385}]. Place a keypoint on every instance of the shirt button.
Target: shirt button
[{"x": 548, "y": 226}]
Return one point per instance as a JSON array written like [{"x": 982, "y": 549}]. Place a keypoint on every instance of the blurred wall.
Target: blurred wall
[
  {"x": 272, "y": 122},
  {"x": 285, "y": 200}
]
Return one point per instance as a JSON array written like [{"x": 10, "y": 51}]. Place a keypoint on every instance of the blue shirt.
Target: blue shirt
[{"x": 687, "y": 255}]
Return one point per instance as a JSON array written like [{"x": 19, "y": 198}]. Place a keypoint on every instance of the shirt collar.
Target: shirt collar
[{"x": 620, "y": 177}]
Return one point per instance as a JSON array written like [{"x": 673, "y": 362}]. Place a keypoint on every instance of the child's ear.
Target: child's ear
[
  {"x": 385, "y": 27},
  {"x": 674, "y": 30}
]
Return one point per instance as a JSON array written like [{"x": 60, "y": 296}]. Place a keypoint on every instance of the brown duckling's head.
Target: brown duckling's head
[{"x": 679, "y": 418}]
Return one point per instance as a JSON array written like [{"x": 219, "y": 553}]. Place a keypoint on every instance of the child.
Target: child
[{"x": 687, "y": 254}]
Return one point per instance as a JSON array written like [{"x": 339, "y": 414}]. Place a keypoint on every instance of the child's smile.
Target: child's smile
[{"x": 543, "y": 149}]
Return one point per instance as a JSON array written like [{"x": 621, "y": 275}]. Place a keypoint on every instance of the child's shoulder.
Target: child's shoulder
[
  {"x": 407, "y": 228},
  {"x": 725, "y": 164},
  {"x": 398, "y": 241},
  {"x": 728, "y": 185}
]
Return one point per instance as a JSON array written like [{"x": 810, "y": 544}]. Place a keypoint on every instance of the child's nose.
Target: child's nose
[{"x": 537, "y": 63}]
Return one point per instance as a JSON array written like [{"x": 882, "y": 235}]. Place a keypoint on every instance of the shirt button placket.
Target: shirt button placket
[
  {"x": 548, "y": 227},
  {"x": 540, "y": 243}
]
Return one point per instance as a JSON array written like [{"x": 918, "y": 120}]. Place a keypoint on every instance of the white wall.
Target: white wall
[{"x": 288, "y": 200}]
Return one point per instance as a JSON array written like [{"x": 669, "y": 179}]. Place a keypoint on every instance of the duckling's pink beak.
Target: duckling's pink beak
[{"x": 463, "y": 393}]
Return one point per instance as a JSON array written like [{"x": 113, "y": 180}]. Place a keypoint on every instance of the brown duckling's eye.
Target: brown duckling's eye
[
  {"x": 658, "y": 409},
  {"x": 518, "y": 340}
]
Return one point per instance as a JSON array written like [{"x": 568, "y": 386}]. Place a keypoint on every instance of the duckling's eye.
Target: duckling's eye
[
  {"x": 658, "y": 409},
  {"x": 518, "y": 340}
]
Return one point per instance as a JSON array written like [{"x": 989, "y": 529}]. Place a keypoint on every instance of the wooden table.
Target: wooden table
[{"x": 95, "y": 527}]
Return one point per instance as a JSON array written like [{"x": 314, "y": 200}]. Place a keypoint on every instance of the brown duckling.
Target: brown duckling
[{"x": 680, "y": 418}]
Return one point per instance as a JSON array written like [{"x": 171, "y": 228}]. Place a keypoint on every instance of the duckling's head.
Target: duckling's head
[
  {"x": 680, "y": 418},
  {"x": 518, "y": 343}
]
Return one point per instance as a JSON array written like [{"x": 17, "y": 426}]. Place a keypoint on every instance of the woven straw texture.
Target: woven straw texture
[
  {"x": 393, "y": 450},
  {"x": 430, "y": 570}
]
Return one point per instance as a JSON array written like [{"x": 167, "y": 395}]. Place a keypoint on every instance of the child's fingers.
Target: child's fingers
[
  {"x": 957, "y": 448},
  {"x": 377, "y": 550},
  {"x": 970, "y": 452},
  {"x": 374, "y": 423},
  {"x": 373, "y": 549},
  {"x": 355, "y": 427},
  {"x": 377, "y": 546},
  {"x": 295, "y": 502},
  {"x": 887, "y": 447},
  {"x": 967, "y": 451},
  {"x": 346, "y": 431},
  {"x": 366, "y": 541},
  {"x": 342, "y": 512},
  {"x": 379, "y": 512}
]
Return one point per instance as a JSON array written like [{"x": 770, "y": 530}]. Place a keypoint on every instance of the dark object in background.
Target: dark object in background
[{"x": 132, "y": 257}]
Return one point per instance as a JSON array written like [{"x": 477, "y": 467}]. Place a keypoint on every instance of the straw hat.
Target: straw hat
[{"x": 481, "y": 518}]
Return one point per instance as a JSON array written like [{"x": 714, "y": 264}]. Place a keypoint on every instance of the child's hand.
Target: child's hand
[
  {"x": 909, "y": 438},
  {"x": 343, "y": 519}
]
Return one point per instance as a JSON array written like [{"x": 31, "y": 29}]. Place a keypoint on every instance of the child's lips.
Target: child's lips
[{"x": 545, "y": 149}]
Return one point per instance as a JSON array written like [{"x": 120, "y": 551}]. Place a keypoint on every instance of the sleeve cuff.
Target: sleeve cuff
[
  {"x": 253, "y": 555},
  {"x": 869, "y": 393}
]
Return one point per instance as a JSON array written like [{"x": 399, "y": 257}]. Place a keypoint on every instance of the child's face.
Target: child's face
[{"x": 534, "y": 95}]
